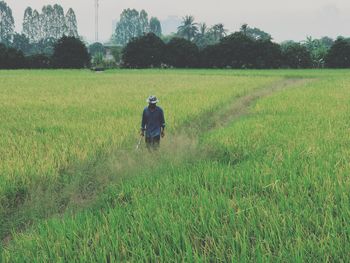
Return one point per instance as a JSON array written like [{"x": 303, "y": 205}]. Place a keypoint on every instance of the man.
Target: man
[{"x": 153, "y": 123}]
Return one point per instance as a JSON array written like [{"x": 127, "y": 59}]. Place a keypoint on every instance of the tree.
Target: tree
[
  {"x": 21, "y": 42},
  {"x": 37, "y": 33},
  {"x": 117, "y": 54},
  {"x": 255, "y": 33},
  {"x": 51, "y": 23},
  {"x": 155, "y": 26},
  {"x": 7, "y": 23},
  {"x": 58, "y": 22},
  {"x": 44, "y": 46},
  {"x": 11, "y": 58},
  {"x": 27, "y": 25},
  {"x": 143, "y": 23},
  {"x": 244, "y": 29},
  {"x": 46, "y": 25},
  {"x": 188, "y": 29},
  {"x": 238, "y": 50},
  {"x": 181, "y": 53},
  {"x": 71, "y": 24},
  {"x": 295, "y": 55},
  {"x": 166, "y": 38},
  {"x": 211, "y": 56},
  {"x": 97, "y": 48},
  {"x": 132, "y": 24},
  {"x": 327, "y": 42},
  {"x": 267, "y": 55},
  {"x": 205, "y": 36},
  {"x": 318, "y": 51},
  {"x": 38, "y": 61},
  {"x": 143, "y": 52},
  {"x": 339, "y": 54},
  {"x": 70, "y": 52},
  {"x": 217, "y": 32}
]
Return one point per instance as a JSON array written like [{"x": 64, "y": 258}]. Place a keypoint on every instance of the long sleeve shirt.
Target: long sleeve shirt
[{"x": 152, "y": 122}]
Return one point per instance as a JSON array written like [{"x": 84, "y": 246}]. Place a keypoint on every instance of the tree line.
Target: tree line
[
  {"x": 40, "y": 31},
  {"x": 68, "y": 52},
  {"x": 238, "y": 50},
  {"x": 143, "y": 44}
]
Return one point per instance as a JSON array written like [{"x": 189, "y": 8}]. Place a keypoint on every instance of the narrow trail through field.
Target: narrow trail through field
[
  {"x": 90, "y": 180},
  {"x": 239, "y": 107}
]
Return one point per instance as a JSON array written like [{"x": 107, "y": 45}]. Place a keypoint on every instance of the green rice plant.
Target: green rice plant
[
  {"x": 54, "y": 120},
  {"x": 270, "y": 186}
]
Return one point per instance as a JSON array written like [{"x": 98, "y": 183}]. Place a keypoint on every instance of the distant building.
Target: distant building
[{"x": 170, "y": 24}]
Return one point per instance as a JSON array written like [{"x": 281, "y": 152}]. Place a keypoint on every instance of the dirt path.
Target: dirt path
[{"x": 91, "y": 179}]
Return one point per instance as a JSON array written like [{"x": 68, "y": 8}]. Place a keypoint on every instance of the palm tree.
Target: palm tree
[
  {"x": 203, "y": 28},
  {"x": 244, "y": 29},
  {"x": 188, "y": 29},
  {"x": 218, "y": 31}
]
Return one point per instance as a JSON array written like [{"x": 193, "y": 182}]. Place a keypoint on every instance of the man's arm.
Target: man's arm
[
  {"x": 162, "y": 127},
  {"x": 143, "y": 123}
]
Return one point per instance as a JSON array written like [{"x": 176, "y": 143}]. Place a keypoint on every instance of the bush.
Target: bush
[
  {"x": 268, "y": 55},
  {"x": 11, "y": 58},
  {"x": 296, "y": 56},
  {"x": 70, "y": 52},
  {"x": 181, "y": 53},
  {"x": 143, "y": 52},
  {"x": 339, "y": 54},
  {"x": 241, "y": 51},
  {"x": 38, "y": 61}
]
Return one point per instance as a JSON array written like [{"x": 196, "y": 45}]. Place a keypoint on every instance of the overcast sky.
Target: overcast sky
[{"x": 283, "y": 19}]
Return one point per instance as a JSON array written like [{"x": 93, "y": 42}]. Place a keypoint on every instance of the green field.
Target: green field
[{"x": 255, "y": 166}]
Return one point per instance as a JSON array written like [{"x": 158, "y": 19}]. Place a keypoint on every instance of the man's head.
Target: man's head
[{"x": 152, "y": 101}]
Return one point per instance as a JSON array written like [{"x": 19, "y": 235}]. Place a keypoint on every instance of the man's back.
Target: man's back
[{"x": 153, "y": 121}]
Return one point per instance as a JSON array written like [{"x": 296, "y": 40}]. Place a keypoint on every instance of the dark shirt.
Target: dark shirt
[{"x": 152, "y": 121}]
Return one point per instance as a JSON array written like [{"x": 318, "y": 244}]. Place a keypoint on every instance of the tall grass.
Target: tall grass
[
  {"x": 272, "y": 186},
  {"x": 53, "y": 121}
]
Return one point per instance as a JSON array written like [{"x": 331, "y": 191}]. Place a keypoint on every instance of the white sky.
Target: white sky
[{"x": 283, "y": 19}]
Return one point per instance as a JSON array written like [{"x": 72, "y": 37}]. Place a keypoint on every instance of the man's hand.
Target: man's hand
[
  {"x": 142, "y": 133},
  {"x": 162, "y": 133}
]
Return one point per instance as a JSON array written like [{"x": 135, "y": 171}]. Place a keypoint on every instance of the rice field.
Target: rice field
[{"x": 271, "y": 184}]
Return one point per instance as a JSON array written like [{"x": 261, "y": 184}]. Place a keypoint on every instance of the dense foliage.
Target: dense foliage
[
  {"x": 70, "y": 52},
  {"x": 143, "y": 52},
  {"x": 193, "y": 45},
  {"x": 239, "y": 50},
  {"x": 50, "y": 23},
  {"x": 7, "y": 23},
  {"x": 132, "y": 24},
  {"x": 11, "y": 58},
  {"x": 181, "y": 53},
  {"x": 339, "y": 54}
]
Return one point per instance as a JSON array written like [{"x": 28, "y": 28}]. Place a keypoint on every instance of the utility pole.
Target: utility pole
[{"x": 96, "y": 20}]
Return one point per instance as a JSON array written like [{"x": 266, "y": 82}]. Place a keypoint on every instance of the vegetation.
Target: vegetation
[
  {"x": 51, "y": 23},
  {"x": 155, "y": 27},
  {"x": 144, "y": 52},
  {"x": 250, "y": 47},
  {"x": 181, "y": 53},
  {"x": 7, "y": 23},
  {"x": 70, "y": 52},
  {"x": 260, "y": 187},
  {"x": 133, "y": 24},
  {"x": 339, "y": 54},
  {"x": 96, "y": 49},
  {"x": 188, "y": 29}
]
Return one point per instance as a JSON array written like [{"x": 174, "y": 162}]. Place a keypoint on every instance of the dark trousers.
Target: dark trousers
[{"x": 153, "y": 143}]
